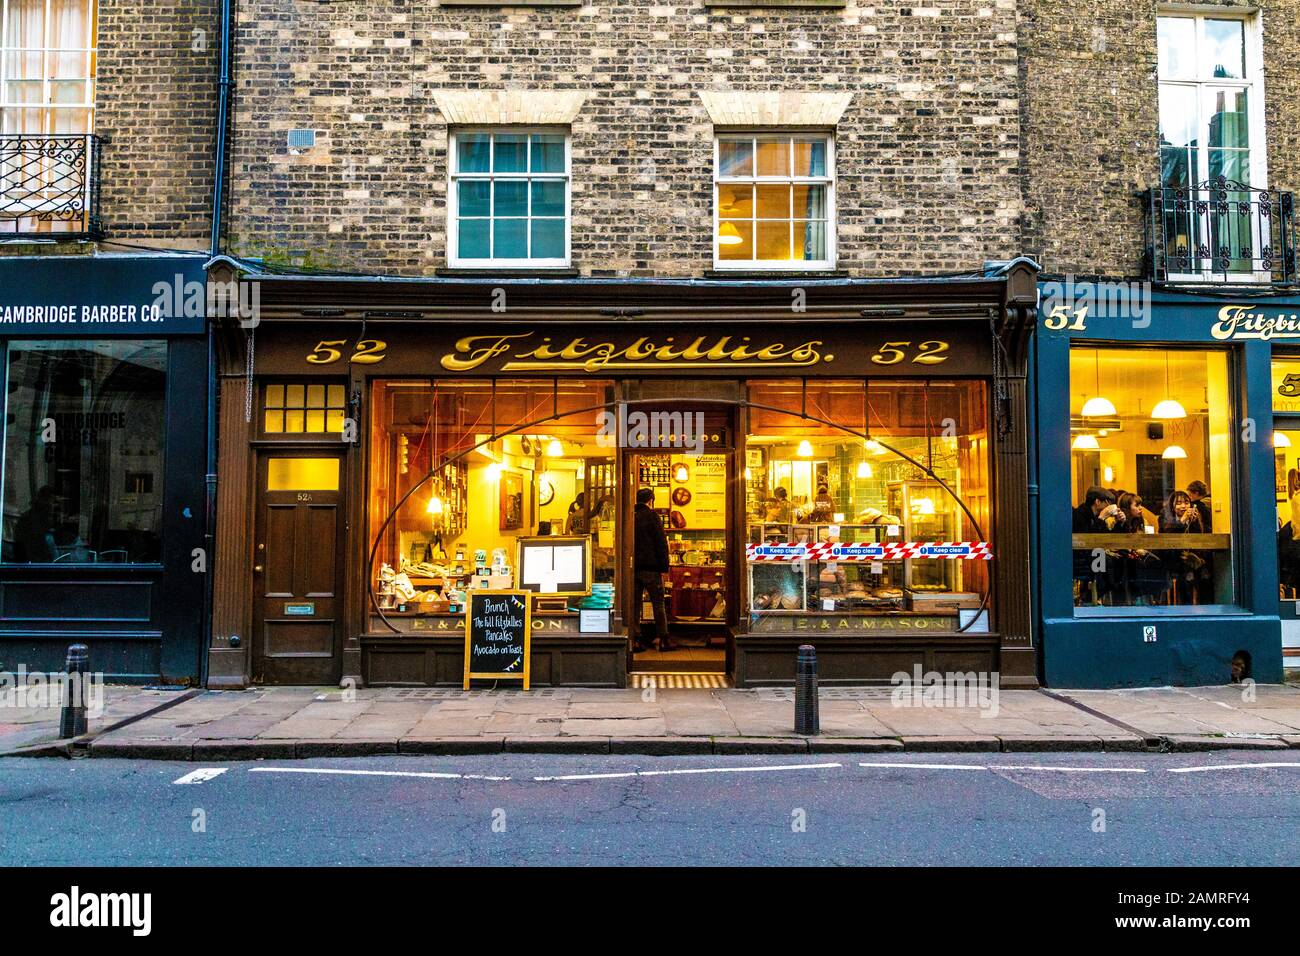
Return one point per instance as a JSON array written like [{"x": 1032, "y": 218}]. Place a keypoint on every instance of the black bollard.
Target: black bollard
[
  {"x": 72, "y": 721},
  {"x": 806, "y": 720}
]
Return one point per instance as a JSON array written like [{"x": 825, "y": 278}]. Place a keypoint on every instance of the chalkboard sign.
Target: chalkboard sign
[{"x": 498, "y": 632}]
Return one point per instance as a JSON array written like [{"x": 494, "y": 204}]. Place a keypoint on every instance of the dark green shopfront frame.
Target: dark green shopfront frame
[{"x": 1193, "y": 646}]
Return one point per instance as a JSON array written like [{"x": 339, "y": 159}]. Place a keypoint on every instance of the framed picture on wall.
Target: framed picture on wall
[{"x": 512, "y": 501}]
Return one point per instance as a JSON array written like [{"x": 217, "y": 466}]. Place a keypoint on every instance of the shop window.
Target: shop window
[
  {"x": 773, "y": 200},
  {"x": 867, "y": 505},
  {"x": 302, "y": 474},
  {"x": 300, "y": 408},
  {"x": 509, "y": 202},
  {"x": 47, "y": 49},
  {"x": 1210, "y": 128},
  {"x": 1151, "y": 452},
  {"x": 1286, "y": 473},
  {"x": 547, "y": 487},
  {"x": 83, "y": 455}
]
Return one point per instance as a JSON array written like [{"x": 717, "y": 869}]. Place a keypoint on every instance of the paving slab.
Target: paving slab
[{"x": 640, "y": 727}]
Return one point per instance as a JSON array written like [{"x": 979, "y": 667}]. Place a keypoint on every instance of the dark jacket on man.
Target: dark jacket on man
[{"x": 650, "y": 543}]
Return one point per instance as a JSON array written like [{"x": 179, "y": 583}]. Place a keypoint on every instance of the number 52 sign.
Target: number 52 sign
[{"x": 365, "y": 352}]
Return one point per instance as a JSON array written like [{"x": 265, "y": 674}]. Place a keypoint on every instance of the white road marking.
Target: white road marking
[
  {"x": 688, "y": 770},
  {"x": 1071, "y": 769},
  {"x": 1230, "y": 766},
  {"x": 202, "y": 775},
  {"x": 928, "y": 766},
  {"x": 429, "y": 775}
]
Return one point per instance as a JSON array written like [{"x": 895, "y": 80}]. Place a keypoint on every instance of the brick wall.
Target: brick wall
[
  {"x": 1091, "y": 133},
  {"x": 927, "y": 150},
  {"x": 156, "y": 104}
]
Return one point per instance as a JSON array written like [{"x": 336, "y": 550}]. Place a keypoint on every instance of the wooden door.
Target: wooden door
[{"x": 296, "y": 554}]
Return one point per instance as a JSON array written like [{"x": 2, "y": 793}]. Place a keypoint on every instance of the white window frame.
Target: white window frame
[
  {"x": 49, "y": 109},
  {"x": 829, "y": 181},
  {"x": 454, "y": 176},
  {"x": 1252, "y": 83}
]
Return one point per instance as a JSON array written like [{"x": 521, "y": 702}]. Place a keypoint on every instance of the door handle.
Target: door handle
[{"x": 257, "y": 569}]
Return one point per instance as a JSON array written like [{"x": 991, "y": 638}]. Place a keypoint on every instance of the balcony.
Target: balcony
[
  {"x": 1220, "y": 232},
  {"x": 49, "y": 186}
]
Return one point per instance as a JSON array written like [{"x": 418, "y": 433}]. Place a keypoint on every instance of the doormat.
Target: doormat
[{"x": 669, "y": 680}]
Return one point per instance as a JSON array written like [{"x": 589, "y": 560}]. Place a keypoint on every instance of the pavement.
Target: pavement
[
  {"x": 305, "y": 722},
  {"x": 507, "y": 809}
]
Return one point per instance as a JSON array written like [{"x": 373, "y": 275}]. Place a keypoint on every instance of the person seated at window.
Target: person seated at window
[
  {"x": 1191, "y": 569},
  {"x": 1180, "y": 515},
  {"x": 575, "y": 522},
  {"x": 1140, "y": 573},
  {"x": 821, "y": 510},
  {"x": 778, "y": 507},
  {"x": 1090, "y": 518},
  {"x": 1199, "y": 492}
]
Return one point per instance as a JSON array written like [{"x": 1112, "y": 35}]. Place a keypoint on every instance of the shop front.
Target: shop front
[
  {"x": 105, "y": 364},
  {"x": 1163, "y": 485},
  {"x": 849, "y": 474}
]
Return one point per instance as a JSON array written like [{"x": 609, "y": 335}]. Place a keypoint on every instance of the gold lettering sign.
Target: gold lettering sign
[
  {"x": 645, "y": 351},
  {"x": 1239, "y": 322}
]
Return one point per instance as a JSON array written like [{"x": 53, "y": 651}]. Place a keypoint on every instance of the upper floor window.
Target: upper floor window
[
  {"x": 509, "y": 199},
  {"x": 773, "y": 201},
  {"x": 47, "y": 66}
]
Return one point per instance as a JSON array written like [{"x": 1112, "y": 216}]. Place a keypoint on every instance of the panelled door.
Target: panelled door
[{"x": 296, "y": 554}]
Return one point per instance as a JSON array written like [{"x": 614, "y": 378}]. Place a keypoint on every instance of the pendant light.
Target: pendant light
[
  {"x": 555, "y": 449},
  {"x": 729, "y": 235},
  {"x": 864, "y": 469},
  {"x": 805, "y": 449},
  {"x": 1097, "y": 406},
  {"x": 435, "y": 506},
  {"x": 1085, "y": 443},
  {"x": 1168, "y": 407},
  {"x": 1280, "y": 440},
  {"x": 1173, "y": 452}
]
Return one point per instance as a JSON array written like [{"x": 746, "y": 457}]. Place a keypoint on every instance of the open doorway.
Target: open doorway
[{"x": 691, "y": 501}]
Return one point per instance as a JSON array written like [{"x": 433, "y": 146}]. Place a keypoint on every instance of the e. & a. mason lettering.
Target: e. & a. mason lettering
[{"x": 591, "y": 356}]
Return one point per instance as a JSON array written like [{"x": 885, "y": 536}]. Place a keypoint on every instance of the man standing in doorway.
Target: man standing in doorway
[{"x": 649, "y": 565}]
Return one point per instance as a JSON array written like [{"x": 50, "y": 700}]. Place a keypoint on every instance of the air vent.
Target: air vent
[{"x": 301, "y": 139}]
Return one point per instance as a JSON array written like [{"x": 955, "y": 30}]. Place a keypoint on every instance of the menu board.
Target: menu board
[
  {"x": 555, "y": 565},
  {"x": 498, "y": 629}
]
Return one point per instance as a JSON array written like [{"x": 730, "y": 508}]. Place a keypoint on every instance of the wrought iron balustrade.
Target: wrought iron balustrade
[{"x": 49, "y": 186}]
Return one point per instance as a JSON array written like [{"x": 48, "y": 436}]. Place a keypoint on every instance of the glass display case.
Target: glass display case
[{"x": 929, "y": 513}]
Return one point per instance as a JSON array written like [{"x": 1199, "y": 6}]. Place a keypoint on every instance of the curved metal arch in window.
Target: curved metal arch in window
[{"x": 802, "y": 414}]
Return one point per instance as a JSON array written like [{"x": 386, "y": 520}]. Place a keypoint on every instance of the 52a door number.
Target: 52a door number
[{"x": 365, "y": 352}]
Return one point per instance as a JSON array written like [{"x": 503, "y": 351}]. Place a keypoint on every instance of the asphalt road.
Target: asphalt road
[{"x": 974, "y": 809}]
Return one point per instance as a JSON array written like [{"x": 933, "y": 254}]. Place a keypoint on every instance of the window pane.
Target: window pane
[
  {"x": 548, "y": 197},
  {"x": 774, "y": 240},
  {"x": 295, "y": 396},
  {"x": 69, "y": 66},
  {"x": 1233, "y": 165},
  {"x": 548, "y": 153},
  {"x": 511, "y": 239},
  {"x": 295, "y": 421},
  {"x": 1176, "y": 42},
  {"x": 316, "y": 420},
  {"x": 474, "y": 197},
  {"x": 1164, "y": 455},
  {"x": 94, "y": 493},
  {"x": 336, "y": 394},
  {"x": 68, "y": 92},
  {"x": 548, "y": 238},
  {"x": 736, "y": 239},
  {"x": 472, "y": 152},
  {"x": 810, "y": 202},
  {"x": 275, "y": 396},
  {"x": 334, "y": 420},
  {"x": 773, "y": 202},
  {"x": 1177, "y": 116},
  {"x": 735, "y": 157},
  {"x": 810, "y": 157},
  {"x": 302, "y": 474},
  {"x": 810, "y": 241},
  {"x": 735, "y": 201},
  {"x": 473, "y": 239},
  {"x": 68, "y": 26},
  {"x": 511, "y": 155},
  {"x": 315, "y": 396},
  {"x": 26, "y": 23},
  {"x": 1175, "y": 168},
  {"x": 1227, "y": 110},
  {"x": 1225, "y": 48},
  {"x": 774, "y": 157},
  {"x": 511, "y": 197},
  {"x": 274, "y": 423}
]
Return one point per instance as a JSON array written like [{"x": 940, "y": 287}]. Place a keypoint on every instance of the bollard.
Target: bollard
[
  {"x": 806, "y": 720},
  {"x": 72, "y": 721}
]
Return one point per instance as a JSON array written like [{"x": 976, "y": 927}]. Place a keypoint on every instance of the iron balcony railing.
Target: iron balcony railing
[
  {"x": 1220, "y": 231},
  {"x": 49, "y": 186}
]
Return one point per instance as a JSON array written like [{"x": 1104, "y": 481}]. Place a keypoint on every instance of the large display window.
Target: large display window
[
  {"x": 1286, "y": 473},
  {"x": 1152, "y": 452},
  {"x": 491, "y": 485},
  {"x": 867, "y": 500},
  {"x": 83, "y": 455}
]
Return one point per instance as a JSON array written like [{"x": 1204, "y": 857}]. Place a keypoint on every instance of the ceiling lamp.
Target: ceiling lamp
[
  {"x": 1280, "y": 440},
  {"x": 493, "y": 471},
  {"x": 435, "y": 506},
  {"x": 805, "y": 449},
  {"x": 681, "y": 473},
  {"x": 864, "y": 469},
  {"x": 1174, "y": 452},
  {"x": 1168, "y": 408},
  {"x": 1085, "y": 443},
  {"x": 555, "y": 449},
  {"x": 729, "y": 235},
  {"x": 1097, "y": 405},
  {"x": 873, "y": 446}
]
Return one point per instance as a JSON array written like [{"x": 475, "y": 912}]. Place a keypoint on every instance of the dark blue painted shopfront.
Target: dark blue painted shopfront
[
  {"x": 1205, "y": 606},
  {"x": 105, "y": 365}
]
